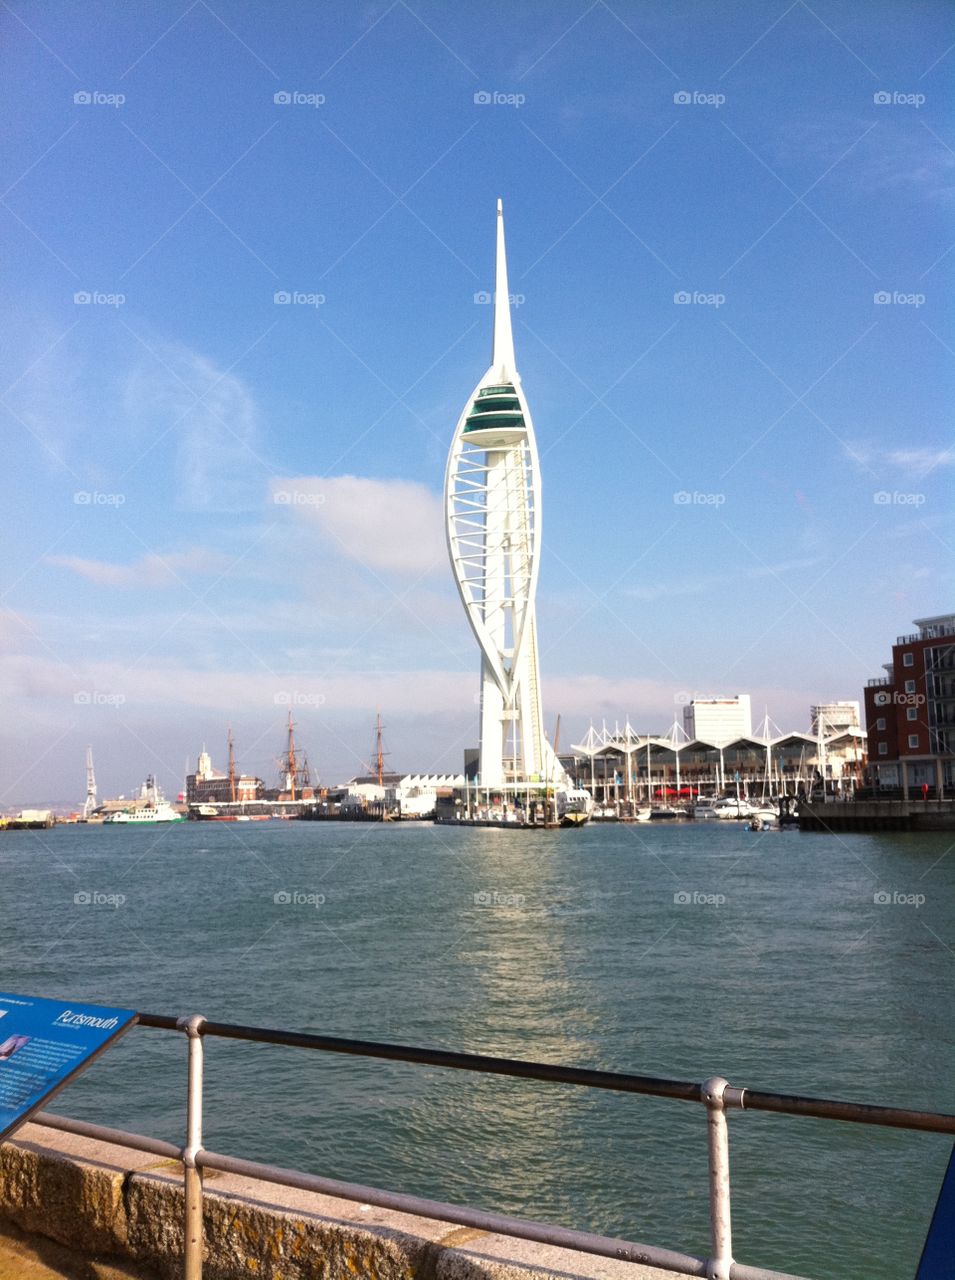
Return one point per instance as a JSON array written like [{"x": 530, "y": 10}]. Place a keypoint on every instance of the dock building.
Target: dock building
[
  {"x": 910, "y": 714},
  {"x": 718, "y": 719},
  {"x": 626, "y": 767},
  {"x": 828, "y": 718},
  {"x": 409, "y": 795},
  {"x": 207, "y": 786}
]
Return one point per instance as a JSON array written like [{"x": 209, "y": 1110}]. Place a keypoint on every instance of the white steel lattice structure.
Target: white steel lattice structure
[
  {"x": 90, "y": 804},
  {"x": 493, "y": 518}
]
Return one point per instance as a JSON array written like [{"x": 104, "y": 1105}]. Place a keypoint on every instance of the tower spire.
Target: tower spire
[
  {"x": 502, "y": 357},
  {"x": 90, "y": 804},
  {"x": 493, "y": 523}
]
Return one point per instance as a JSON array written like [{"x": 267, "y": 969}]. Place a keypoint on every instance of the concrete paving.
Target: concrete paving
[{"x": 24, "y": 1257}]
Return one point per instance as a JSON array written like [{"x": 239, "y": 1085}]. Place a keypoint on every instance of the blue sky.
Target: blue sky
[{"x": 729, "y": 236}]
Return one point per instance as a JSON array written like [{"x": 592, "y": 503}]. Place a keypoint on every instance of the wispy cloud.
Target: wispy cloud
[
  {"x": 151, "y": 571},
  {"x": 900, "y": 155},
  {"x": 907, "y": 156},
  {"x": 920, "y": 460},
  {"x": 391, "y": 526},
  {"x": 714, "y": 581},
  {"x": 915, "y": 462},
  {"x": 209, "y": 416}
]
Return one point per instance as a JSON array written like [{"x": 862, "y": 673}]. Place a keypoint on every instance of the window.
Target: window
[
  {"x": 912, "y": 713},
  {"x": 883, "y": 748},
  {"x": 908, "y": 659},
  {"x": 880, "y": 724},
  {"x": 914, "y": 741},
  {"x": 910, "y": 686}
]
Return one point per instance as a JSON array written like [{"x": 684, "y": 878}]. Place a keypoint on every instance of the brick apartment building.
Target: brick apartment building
[{"x": 910, "y": 713}]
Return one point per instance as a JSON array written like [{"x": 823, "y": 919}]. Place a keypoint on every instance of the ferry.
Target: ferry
[{"x": 145, "y": 815}]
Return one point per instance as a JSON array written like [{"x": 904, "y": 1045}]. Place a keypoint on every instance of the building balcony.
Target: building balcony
[
  {"x": 928, "y": 633},
  {"x": 879, "y": 682}
]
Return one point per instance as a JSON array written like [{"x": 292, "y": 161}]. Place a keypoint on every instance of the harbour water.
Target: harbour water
[{"x": 804, "y": 963}]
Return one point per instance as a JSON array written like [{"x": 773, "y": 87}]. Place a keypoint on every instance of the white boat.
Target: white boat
[
  {"x": 704, "y": 808},
  {"x": 666, "y": 812},
  {"x": 733, "y": 810},
  {"x": 763, "y": 818},
  {"x": 146, "y": 815}
]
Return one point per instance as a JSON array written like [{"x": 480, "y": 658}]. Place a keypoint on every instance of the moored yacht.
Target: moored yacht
[
  {"x": 666, "y": 812},
  {"x": 574, "y": 807},
  {"x": 733, "y": 809}
]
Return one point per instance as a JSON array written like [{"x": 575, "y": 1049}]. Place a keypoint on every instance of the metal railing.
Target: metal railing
[{"x": 715, "y": 1094}]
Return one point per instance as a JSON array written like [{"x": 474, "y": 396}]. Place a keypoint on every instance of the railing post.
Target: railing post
[
  {"x": 192, "y": 1174},
  {"x": 716, "y": 1095}
]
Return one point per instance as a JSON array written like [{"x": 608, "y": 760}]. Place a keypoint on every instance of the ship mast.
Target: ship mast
[
  {"x": 90, "y": 804},
  {"x": 291, "y": 766},
  {"x": 231, "y": 767},
  {"x": 379, "y": 751}
]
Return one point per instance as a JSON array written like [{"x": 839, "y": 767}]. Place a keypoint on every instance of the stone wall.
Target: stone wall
[{"x": 120, "y": 1207}]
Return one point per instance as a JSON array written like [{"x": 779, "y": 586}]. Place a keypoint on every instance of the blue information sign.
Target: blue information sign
[
  {"x": 44, "y": 1044},
  {"x": 938, "y": 1256}
]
